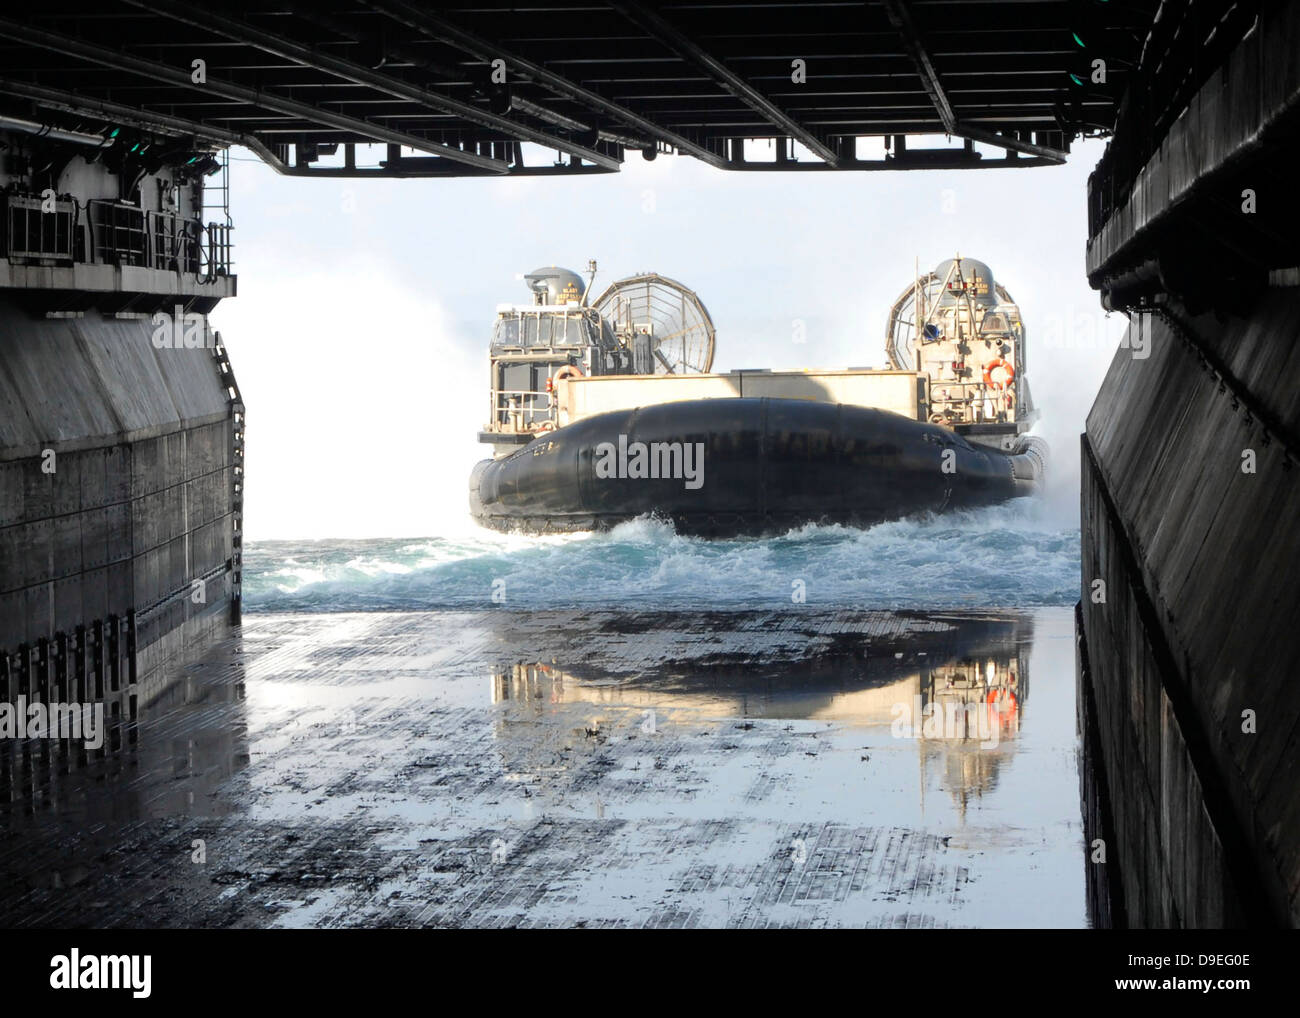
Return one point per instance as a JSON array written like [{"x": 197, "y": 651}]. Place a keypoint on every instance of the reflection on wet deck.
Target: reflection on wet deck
[{"x": 562, "y": 768}]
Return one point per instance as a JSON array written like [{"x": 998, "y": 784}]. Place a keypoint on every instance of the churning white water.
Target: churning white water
[{"x": 1012, "y": 555}]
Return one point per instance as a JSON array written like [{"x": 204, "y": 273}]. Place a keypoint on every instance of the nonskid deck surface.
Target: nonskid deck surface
[{"x": 563, "y": 768}]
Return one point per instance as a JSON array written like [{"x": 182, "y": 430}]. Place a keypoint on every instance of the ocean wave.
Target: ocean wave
[{"x": 1010, "y": 555}]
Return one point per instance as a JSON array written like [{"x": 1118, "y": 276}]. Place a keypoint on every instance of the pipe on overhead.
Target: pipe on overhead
[{"x": 55, "y": 133}]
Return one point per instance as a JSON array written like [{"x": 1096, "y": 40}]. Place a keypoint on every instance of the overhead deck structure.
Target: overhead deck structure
[{"x": 455, "y": 90}]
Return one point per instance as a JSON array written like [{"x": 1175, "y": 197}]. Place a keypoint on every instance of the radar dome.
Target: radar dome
[
  {"x": 977, "y": 277},
  {"x": 554, "y": 285}
]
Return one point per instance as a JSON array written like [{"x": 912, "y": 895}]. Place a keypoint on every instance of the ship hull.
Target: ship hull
[{"x": 740, "y": 466}]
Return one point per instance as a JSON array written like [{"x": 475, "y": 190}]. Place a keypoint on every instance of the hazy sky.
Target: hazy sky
[{"x": 359, "y": 336}]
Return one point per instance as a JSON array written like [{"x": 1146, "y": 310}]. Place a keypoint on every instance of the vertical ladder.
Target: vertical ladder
[
  {"x": 222, "y": 193},
  {"x": 236, "y": 401},
  {"x": 215, "y": 224}
]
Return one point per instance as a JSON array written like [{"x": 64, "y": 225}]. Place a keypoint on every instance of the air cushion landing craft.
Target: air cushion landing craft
[{"x": 605, "y": 411}]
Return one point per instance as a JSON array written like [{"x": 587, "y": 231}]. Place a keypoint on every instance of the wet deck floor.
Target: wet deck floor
[{"x": 575, "y": 768}]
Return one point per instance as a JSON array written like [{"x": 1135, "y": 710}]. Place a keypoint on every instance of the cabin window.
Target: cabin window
[
  {"x": 993, "y": 323},
  {"x": 507, "y": 332}
]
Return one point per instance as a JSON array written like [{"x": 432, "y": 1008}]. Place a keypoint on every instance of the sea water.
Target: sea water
[{"x": 1013, "y": 555}]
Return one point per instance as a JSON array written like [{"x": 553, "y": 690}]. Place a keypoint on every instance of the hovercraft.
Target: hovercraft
[{"x": 606, "y": 411}]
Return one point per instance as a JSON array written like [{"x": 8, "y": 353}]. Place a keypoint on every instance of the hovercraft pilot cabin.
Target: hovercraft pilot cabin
[{"x": 606, "y": 409}]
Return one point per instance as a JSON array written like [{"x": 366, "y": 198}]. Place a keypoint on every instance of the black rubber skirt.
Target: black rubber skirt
[{"x": 724, "y": 467}]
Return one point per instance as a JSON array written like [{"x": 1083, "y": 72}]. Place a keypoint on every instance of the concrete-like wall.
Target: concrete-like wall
[
  {"x": 138, "y": 504},
  {"x": 1189, "y": 503}
]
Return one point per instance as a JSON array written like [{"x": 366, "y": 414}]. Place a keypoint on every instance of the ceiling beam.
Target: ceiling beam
[
  {"x": 439, "y": 27},
  {"x": 1012, "y": 144},
  {"x": 901, "y": 18},
  {"x": 243, "y": 32},
  {"x": 119, "y": 60},
  {"x": 140, "y": 119},
  {"x": 117, "y": 114},
  {"x": 405, "y": 54},
  {"x": 652, "y": 22}
]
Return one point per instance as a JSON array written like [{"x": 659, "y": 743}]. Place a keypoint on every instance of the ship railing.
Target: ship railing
[
  {"x": 216, "y": 251},
  {"x": 117, "y": 232},
  {"x": 172, "y": 242},
  {"x": 43, "y": 230},
  {"x": 40, "y": 229},
  {"x": 517, "y": 411},
  {"x": 970, "y": 398}
]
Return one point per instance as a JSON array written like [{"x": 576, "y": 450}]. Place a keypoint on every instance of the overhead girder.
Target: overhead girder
[
  {"x": 162, "y": 72},
  {"x": 901, "y": 18},
  {"x": 689, "y": 50},
  {"x": 589, "y": 80},
  {"x": 242, "y": 31},
  {"x": 483, "y": 49}
]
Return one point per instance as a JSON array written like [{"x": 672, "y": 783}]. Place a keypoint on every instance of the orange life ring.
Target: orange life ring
[
  {"x": 1002, "y": 703},
  {"x": 568, "y": 371},
  {"x": 998, "y": 362}
]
